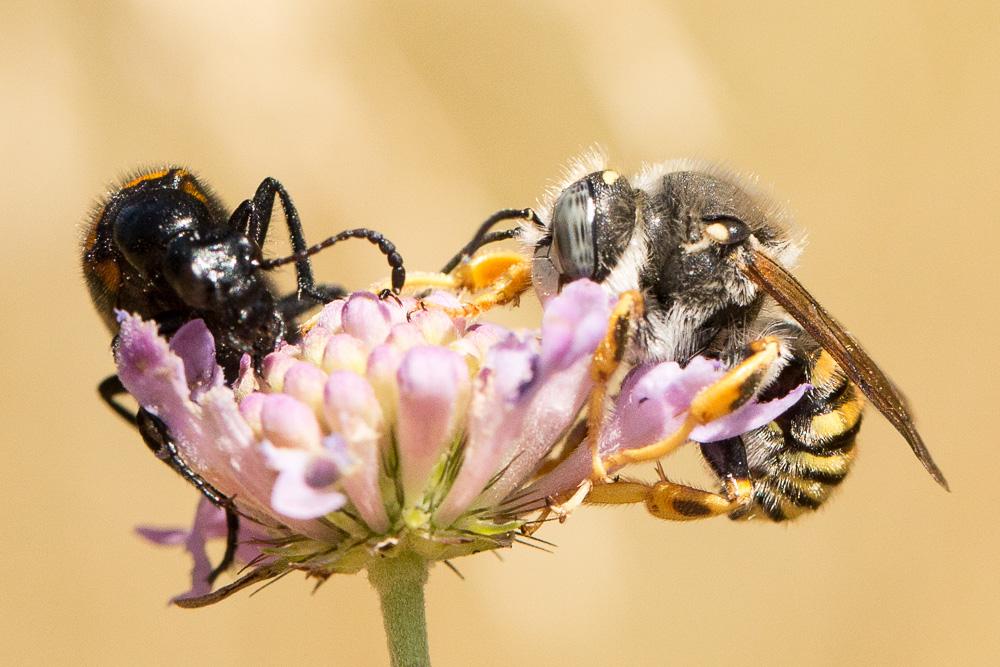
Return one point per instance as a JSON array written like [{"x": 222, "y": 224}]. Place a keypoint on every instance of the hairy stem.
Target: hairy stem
[{"x": 400, "y": 585}]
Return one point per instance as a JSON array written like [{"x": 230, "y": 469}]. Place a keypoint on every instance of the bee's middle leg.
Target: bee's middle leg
[{"x": 719, "y": 399}]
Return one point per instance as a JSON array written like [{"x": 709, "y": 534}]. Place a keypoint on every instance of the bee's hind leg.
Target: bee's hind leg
[{"x": 671, "y": 501}]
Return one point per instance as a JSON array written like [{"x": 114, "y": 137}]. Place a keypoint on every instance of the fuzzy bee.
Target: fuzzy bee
[{"x": 709, "y": 255}]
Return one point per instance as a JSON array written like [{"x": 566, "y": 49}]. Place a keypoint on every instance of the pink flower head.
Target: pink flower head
[{"x": 391, "y": 427}]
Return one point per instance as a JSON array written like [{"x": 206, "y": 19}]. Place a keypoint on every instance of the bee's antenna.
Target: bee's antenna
[{"x": 483, "y": 235}]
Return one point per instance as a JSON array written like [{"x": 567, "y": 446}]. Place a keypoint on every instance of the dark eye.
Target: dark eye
[
  {"x": 572, "y": 250},
  {"x": 726, "y": 229}
]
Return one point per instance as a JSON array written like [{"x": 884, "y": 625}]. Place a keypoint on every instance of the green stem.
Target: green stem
[{"x": 400, "y": 585}]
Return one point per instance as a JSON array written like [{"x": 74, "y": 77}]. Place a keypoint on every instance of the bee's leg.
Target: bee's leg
[
  {"x": 502, "y": 277},
  {"x": 717, "y": 400},
  {"x": 671, "y": 501},
  {"x": 607, "y": 358}
]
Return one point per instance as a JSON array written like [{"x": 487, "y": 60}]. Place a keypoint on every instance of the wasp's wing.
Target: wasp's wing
[{"x": 794, "y": 298}]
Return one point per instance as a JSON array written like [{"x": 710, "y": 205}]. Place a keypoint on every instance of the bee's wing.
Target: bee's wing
[{"x": 794, "y": 298}]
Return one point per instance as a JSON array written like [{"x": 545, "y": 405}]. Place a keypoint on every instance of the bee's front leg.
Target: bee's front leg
[{"x": 607, "y": 358}]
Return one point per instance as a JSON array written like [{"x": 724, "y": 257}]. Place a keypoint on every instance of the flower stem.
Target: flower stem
[{"x": 400, "y": 585}]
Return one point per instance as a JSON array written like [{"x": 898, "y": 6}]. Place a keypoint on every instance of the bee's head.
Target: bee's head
[{"x": 591, "y": 223}]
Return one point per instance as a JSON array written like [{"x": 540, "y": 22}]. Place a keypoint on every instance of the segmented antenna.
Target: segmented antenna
[{"x": 385, "y": 246}]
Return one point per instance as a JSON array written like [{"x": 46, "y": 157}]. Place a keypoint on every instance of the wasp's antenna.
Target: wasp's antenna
[
  {"x": 386, "y": 247},
  {"x": 483, "y": 237}
]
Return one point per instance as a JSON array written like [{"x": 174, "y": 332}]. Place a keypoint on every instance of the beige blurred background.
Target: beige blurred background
[{"x": 877, "y": 122}]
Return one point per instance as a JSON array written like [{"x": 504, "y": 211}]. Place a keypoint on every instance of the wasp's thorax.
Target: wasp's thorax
[{"x": 176, "y": 258}]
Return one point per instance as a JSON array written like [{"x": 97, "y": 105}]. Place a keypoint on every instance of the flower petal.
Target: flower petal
[
  {"x": 353, "y": 412},
  {"x": 344, "y": 353},
  {"x": 288, "y": 422},
  {"x": 748, "y": 417},
  {"x": 496, "y": 417},
  {"x": 368, "y": 318},
  {"x": 573, "y": 323},
  {"x": 433, "y": 386},
  {"x": 294, "y": 495},
  {"x": 304, "y": 381},
  {"x": 152, "y": 373},
  {"x": 654, "y": 400},
  {"x": 194, "y": 344}
]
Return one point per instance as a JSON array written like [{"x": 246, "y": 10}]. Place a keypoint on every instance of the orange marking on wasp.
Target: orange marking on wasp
[
  {"x": 152, "y": 176},
  {"x": 109, "y": 273},
  {"x": 190, "y": 187}
]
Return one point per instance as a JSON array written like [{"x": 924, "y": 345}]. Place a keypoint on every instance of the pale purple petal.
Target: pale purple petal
[
  {"x": 405, "y": 336},
  {"x": 250, "y": 408},
  {"x": 383, "y": 364},
  {"x": 345, "y": 353},
  {"x": 368, "y": 318},
  {"x": 151, "y": 372},
  {"x": 748, "y": 417},
  {"x": 246, "y": 381},
  {"x": 287, "y": 422},
  {"x": 655, "y": 399},
  {"x": 353, "y": 412},
  {"x": 433, "y": 381},
  {"x": 194, "y": 344},
  {"x": 351, "y": 408},
  {"x": 494, "y": 423},
  {"x": 330, "y": 316},
  {"x": 275, "y": 366},
  {"x": 295, "y": 493},
  {"x": 238, "y": 466},
  {"x": 304, "y": 381},
  {"x": 209, "y": 522},
  {"x": 436, "y": 326},
  {"x": 654, "y": 403},
  {"x": 313, "y": 344},
  {"x": 550, "y": 412},
  {"x": 479, "y": 339},
  {"x": 574, "y": 323},
  {"x": 162, "y": 536}
]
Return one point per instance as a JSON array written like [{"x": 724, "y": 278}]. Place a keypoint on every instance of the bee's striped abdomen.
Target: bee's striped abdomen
[{"x": 796, "y": 461}]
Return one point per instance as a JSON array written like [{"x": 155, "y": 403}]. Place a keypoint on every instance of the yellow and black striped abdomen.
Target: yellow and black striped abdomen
[{"x": 797, "y": 461}]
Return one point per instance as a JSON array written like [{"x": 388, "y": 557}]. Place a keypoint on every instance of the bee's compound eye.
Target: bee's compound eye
[
  {"x": 727, "y": 230},
  {"x": 572, "y": 251}
]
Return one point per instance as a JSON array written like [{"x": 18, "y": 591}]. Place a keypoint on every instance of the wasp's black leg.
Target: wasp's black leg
[
  {"x": 232, "y": 542},
  {"x": 291, "y": 306},
  {"x": 482, "y": 235},
  {"x": 109, "y": 389},
  {"x": 155, "y": 435},
  {"x": 253, "y": 217}
]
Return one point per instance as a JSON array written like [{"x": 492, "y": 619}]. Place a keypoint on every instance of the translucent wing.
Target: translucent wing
[{"x": 801, "y": 305}]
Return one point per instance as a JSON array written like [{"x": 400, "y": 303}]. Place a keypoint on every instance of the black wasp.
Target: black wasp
[{"x": 162, "y": 245}]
